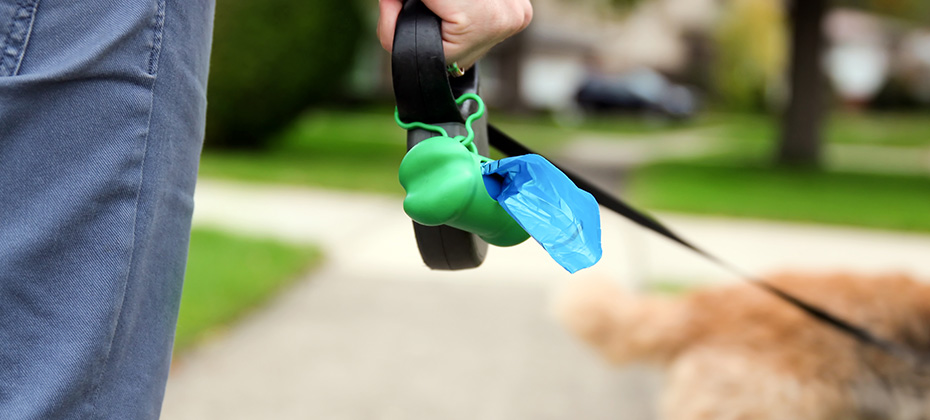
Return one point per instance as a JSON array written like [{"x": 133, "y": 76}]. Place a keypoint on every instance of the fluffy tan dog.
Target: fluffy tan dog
[{"x": 739, "y": 353}]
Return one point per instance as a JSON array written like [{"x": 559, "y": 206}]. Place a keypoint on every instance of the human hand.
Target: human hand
[{"x": 469, "y": 27}]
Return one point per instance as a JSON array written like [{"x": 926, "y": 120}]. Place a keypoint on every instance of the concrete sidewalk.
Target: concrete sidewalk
[{"x": 375, "y": 335}]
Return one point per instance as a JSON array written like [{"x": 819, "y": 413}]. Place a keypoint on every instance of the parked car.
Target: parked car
[{"x": 643, "y": 90}]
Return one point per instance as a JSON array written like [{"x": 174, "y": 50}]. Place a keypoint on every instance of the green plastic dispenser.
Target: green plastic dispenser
[{"x": 444, "y": 185}]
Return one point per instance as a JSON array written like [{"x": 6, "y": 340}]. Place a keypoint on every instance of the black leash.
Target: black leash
[{"x": 510, "y": 147}]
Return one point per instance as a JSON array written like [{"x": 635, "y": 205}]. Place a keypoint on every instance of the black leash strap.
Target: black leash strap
[{"x": 510, "y": 147}]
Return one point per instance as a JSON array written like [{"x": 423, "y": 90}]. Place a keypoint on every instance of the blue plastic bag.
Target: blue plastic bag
[{"x": 563, "y": 218}]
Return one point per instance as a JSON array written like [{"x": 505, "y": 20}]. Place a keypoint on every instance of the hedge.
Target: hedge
[{"x": 273, "y": 58}]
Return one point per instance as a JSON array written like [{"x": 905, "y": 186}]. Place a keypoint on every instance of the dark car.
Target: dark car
[{"x": 642, "y": 90}]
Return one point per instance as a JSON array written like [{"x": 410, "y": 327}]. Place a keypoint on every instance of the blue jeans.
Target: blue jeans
[{"x": 102, "y": 106}]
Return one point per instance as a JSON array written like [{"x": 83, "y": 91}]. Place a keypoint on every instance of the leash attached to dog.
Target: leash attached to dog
[
  {"x": 455, "y": 236},
  {"x": 508, "y": 146}
]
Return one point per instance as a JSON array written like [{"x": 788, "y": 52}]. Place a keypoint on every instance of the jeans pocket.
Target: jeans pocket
[{"x": 16, "y": 18}]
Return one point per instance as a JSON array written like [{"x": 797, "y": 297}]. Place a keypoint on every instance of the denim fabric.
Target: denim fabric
[{"x": 102, "y": 106}]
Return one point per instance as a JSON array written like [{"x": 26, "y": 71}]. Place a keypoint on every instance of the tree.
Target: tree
[
  {"x": 802, "y": 123},
  {"x": 801, "y": 142}
]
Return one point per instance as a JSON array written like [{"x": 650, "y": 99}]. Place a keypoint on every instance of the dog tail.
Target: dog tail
[{"x": 622, "y": 327}]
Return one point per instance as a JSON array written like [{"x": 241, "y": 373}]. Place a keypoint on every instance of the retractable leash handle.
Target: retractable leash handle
[{"x": 424, "y": 93}]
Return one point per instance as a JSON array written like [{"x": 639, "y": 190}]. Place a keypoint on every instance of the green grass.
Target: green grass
[
  {"x": 878, "y": 129},
  {"x": 885, "y": 129},
  {"x": 330, "y": 149},
  {"x": 229, "y": 275},
  {"x": 740, "y": 181},
  {"x": 881, "y": 129},
  {"x": 869, "y": 200},
  {"x": 546, "y": 134},
  {"x": 361, "y": 150}
]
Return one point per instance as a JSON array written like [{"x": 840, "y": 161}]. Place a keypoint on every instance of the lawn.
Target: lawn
[
  {"x": 741, "y": 181},
  {"x": 229, "y": 275},
  {"x": 877, "y": 129},
  {"x": 868, "y": 200},
  {"x": 358, "y": 150},
  {"x": 361, "y": 150}
]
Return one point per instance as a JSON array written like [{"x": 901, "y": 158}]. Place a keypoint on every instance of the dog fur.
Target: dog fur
[{"x": 739, "y": 353}]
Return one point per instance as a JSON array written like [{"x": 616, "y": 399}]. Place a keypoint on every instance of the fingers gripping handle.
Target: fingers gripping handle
[{"x": 421, "y": 86}]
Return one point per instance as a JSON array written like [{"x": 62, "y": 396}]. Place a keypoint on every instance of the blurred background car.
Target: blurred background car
[{"x": 639, "y": 91}]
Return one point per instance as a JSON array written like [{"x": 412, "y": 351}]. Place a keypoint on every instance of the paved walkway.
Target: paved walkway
[{"x": 375, "y": 335}]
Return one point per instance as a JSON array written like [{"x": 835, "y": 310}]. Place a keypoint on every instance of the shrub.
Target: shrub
[
  {"x": 270, "y": 60},
  {"x": 752, "y": 50}
]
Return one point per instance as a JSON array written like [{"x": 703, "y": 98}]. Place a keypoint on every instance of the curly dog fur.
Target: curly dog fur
[{"x": 737, "y": 352}]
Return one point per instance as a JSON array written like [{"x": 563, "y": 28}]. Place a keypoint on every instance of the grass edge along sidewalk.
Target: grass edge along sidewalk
[{"x": 229, "y": 275}]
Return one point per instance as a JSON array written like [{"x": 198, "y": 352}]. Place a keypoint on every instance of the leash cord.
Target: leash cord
[{"x": 510, "y": 147}]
